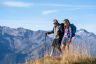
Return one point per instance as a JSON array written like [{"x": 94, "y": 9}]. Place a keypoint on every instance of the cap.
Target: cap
[{"x": 55, "y": 21}]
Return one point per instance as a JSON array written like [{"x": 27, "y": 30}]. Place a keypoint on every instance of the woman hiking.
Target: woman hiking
[{"x": 68, "y": 32}]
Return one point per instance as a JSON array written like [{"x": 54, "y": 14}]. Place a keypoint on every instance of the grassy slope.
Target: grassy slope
[
  {"x": 58, "y": 60},
  {"x": 70, "y": 56}
]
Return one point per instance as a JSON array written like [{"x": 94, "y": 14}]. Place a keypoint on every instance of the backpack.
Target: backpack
[
  {"x": 61, "y": 27},
  {"x": 73, "y": 29},
  {"x": 61, "y": 30}
]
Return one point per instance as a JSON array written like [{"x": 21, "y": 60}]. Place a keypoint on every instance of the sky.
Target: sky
[{"x": 39, "y": 14}]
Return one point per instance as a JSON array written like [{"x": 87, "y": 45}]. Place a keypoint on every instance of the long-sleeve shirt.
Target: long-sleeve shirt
[
  {"x": 67, "y": 33},
  {"x": 55, "y": 31}
]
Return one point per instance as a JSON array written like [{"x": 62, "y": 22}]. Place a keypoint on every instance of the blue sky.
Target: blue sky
[{"x": 39, "y": 14}]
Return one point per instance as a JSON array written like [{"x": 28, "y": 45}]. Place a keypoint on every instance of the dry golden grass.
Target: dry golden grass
[
  {"x": 59, "y": 60},
  {"x": 70, "y": 56},
  {"x": 46, "y": 60}
]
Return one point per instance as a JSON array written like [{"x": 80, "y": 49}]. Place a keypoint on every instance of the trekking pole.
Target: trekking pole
[
  {"x": 45, "y": 43},
  {"x": 44, "y": 47}
]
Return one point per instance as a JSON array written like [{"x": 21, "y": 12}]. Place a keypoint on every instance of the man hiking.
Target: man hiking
[
  {"x": 68, "y": 32},
  {"x": 57, "y": 36}
]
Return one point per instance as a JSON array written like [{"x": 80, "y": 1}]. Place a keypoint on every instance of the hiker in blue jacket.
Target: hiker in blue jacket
[
  {"x": 57, "y": 36},
  {"x": 68, "y": 32}
]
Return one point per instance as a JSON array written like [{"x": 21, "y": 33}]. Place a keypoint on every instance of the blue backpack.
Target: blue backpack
[{"x": 73, "y": 29}]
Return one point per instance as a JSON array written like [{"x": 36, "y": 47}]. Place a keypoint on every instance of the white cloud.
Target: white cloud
[
  {"x": 17, "y": 4},
  {"x": 49, "y": 12},
  {"x": 68, "y": 5},
  {"x": 71, "y": 5}
]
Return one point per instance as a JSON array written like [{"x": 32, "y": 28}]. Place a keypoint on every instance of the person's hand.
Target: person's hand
[{"x": 69, "y": 41}]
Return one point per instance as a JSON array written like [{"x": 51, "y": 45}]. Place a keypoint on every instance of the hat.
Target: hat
[{"x": 55, "y": 21}]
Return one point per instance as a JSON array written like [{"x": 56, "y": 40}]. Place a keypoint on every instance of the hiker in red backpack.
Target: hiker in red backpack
[
  {"x": 57, "y": 36},
  {"x": 68, "y": 32}
]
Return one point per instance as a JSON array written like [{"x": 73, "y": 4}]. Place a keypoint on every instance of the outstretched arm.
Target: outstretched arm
[{"x": 50, "y": 32}]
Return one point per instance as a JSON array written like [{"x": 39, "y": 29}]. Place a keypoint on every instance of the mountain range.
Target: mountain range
[{"x": 18, "y": 45}]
